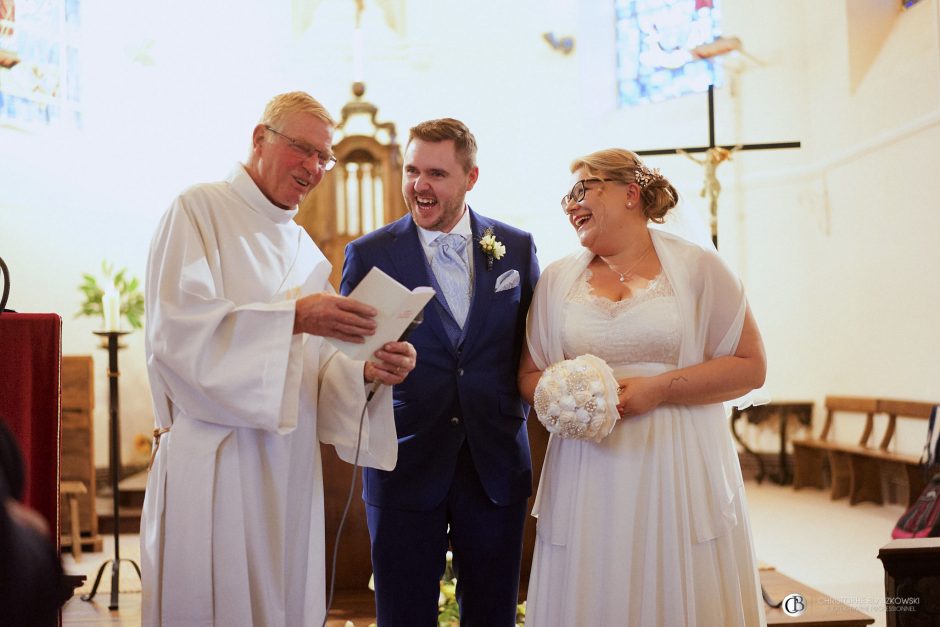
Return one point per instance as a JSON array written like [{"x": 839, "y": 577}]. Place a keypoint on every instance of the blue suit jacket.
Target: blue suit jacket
[{"x": 455, "y": 393}]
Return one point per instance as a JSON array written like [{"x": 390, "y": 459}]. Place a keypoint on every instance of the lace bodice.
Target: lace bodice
[{"x": 642, "y": 328}]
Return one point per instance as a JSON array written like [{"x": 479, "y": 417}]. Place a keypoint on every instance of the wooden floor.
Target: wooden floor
[
  {"x": 828, "y": 545},
  {"x": 356, "y": 607}
]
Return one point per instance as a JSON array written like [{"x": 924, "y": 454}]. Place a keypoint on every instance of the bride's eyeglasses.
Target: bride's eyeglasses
[{"x": 577, "y": 192}]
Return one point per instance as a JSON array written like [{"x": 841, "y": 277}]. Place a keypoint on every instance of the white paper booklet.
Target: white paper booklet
[{"x": 397, "y": 307}]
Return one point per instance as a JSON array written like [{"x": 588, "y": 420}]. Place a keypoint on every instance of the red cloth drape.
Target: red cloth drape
[{"x": 30, "y": 392}]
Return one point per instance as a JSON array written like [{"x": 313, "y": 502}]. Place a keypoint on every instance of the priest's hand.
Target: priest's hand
[
  {"x": 331, "y": 315},
  {"x": 396, "y": 360}
]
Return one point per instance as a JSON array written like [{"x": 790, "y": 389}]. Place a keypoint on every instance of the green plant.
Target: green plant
[
  {"x": 448, "y": 611},
  {"x": 126, "y": 287}
]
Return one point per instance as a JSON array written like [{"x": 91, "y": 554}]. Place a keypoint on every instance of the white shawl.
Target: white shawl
[{"x": 712, "y": 307}]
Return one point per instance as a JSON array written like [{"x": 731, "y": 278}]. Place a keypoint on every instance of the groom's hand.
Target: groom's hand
[{"x": 396, "y": 360}]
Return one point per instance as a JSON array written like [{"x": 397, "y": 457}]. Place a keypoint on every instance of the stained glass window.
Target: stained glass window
[
  {"x": 654, "y": 43},
  {"x": 40, "y": 79}
]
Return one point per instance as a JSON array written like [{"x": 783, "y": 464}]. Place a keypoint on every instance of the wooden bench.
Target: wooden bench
[
  {"x": 811, "y": 455},
  {"x": 859, "y": 470},
  {"x": 819, "y": 609},
  {"x": 902, "y": 469}
]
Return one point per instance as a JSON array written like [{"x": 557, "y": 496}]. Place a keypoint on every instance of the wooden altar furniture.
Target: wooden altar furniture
[
  {"x": 783, "y": 412},
  {"x": 363, "y": 191},
  {"x": 78, "y": 453},
  {"x": 30, "y": 357},
  {"x": 912, "y": 581}
]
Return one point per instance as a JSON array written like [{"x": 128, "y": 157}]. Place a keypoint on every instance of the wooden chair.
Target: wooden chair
[
  {"x": 810, "y": 455},
  {"x": 861, "y": 471},
  {"x": 901, "y": 470},
  {"x": 70, "y": 490}
]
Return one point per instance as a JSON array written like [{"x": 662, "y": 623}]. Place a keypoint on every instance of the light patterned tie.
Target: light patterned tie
[{"x": 452, "y": 273}]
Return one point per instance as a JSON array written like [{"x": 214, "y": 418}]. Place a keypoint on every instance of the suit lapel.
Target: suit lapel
[
  {"x": 484, "y": 281},
  {"x": 408, "y": 258}
]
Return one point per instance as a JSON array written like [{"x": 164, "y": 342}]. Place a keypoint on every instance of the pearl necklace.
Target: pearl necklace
[{"x": 627, "y": 274}]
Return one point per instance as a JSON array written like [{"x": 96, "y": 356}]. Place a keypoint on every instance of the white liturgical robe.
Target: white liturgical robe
[{"x": 232, "y": 531}]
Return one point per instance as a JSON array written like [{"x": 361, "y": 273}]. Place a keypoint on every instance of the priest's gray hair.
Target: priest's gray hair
[
  {"x": 294, "y": 102},
  {"x": 657, "y": 194}
]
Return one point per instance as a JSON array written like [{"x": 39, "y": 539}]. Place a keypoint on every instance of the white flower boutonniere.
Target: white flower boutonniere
[{"x": 492, "y": 247}]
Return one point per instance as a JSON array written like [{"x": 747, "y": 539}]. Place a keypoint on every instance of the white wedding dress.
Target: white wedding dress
[{"x": 617, "y": 539}]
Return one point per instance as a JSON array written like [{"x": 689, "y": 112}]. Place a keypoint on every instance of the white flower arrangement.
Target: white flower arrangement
[
  {"x": 577, "y": 398},
  {"x": 492, "y": 247}
]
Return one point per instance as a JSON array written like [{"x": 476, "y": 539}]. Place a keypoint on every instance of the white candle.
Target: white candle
[
  {"x": 111, "y": 309},
  {"x": 358, "y": 72}
]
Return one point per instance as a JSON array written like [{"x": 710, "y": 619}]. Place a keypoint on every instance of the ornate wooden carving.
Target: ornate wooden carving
[{"x": 363, "y": 191}]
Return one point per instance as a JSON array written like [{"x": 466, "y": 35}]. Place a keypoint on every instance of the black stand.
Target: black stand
[{"x": 113, "y": 374}]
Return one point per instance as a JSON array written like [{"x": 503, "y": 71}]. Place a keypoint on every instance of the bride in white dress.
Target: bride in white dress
[{"x": 647, "y": 526}]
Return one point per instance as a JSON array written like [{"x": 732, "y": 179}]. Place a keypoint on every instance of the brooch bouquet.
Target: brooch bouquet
[
  {"x": 577, "y": 398},
  {"x": 492, "y": 247}
]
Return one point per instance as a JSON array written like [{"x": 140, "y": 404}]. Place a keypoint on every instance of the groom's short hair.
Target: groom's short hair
[{"x": 442, "y": 129}]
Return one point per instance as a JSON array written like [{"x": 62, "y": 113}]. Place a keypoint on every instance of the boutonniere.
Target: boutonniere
[{"x": 492, "y": 247}]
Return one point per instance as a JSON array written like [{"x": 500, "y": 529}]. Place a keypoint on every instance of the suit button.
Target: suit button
[
  {"x": 459, "y": 372},
  {"x": 455, "y": 421}
]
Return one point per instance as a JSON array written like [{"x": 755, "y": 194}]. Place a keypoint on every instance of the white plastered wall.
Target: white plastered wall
[{"x": 835, "y": 241}]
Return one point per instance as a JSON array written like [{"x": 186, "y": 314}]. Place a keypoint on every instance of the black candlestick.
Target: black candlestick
[{"x": 113, "y": 407}]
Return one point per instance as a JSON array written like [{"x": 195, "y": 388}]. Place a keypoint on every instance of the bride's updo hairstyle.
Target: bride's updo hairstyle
[{"x": 657, "y": 194}]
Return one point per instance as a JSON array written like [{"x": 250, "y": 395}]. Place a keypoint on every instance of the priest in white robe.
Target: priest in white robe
[{"x": 245, "y": 387}]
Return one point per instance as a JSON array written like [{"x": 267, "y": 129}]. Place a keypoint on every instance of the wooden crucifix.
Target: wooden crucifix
[{"x": 714, "y": 156}]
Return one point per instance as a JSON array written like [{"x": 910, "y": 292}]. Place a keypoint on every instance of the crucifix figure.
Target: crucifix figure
[
  {"x": 714, "y": 156},
  {"x": 711, "y": 186}
]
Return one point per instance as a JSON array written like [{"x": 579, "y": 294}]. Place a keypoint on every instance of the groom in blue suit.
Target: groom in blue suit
[{"x": 464, "y": 472}]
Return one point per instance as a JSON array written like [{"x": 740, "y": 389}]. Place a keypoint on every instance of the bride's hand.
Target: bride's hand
[{"x": 638, "y": 395}]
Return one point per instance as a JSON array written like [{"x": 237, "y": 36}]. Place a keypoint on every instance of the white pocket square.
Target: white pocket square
[{"x": 507, "y": 280}]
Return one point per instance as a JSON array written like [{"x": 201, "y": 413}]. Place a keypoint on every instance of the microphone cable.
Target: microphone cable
[
  {"x": 349, "y": 497},
  {"x": 352, "y": 485}
]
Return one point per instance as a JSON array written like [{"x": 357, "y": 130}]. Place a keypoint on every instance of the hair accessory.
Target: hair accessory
[{"x": 644, "y": 175}]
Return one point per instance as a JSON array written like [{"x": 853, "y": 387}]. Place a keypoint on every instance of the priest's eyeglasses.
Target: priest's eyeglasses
[
  {"x": 326, "y": 160},
  {"x": 577, "y": 192}
]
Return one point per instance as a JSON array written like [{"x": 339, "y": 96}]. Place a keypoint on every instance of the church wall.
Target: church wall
[
  {"x": 169, "y": 95},
  {"x": 831, "y": 240},
  {"x": 840, "y": 253}
]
